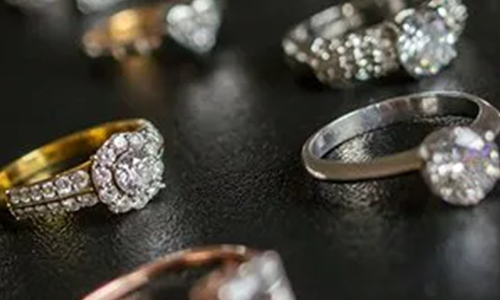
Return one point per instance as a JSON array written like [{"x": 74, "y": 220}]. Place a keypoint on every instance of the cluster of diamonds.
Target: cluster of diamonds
[
  {"x": 127, "y": 170},
  {"x": 428, "y": 36},
  {"x": 462, "y": 166},
  {"x": 65, "y": 193},
  {"x": 195, "y": 26},
  {"x": 360, "y": 56},
  {"x": 263, "y": 277}
]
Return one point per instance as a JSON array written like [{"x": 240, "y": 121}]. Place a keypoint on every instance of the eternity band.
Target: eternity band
[
  {"x": 140, "y": 28},
  {"x": 363, "y": 40},
  {"x": 460, "y": 164},
  {"x": 124, "y": 171},
  {"x": 243, "y": 274}
]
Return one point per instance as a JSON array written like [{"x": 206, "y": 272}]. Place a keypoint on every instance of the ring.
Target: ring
[
  {"x": 124, "y": 172},
  {"x": 363, "y": 40},
  {"x": 244, "y": 274},
  {"x": 140, "y": 29},
  {"x": 460, "y": 164}
]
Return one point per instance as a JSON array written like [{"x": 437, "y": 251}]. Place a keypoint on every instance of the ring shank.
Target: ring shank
[
  {"x": 41, "y": 163},
  {"x": 381, "y": 115}
]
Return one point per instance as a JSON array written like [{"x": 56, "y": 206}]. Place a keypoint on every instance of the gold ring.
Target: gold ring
[
  {"x": 243, "y": 274},
  {"x": 124, "y": 171},
  {"x": 140, "y": 29}
]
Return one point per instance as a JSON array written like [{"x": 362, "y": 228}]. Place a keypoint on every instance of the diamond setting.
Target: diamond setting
[
  {"x": 462, "y": 166},
  {"x": 127, "y": 174},
  {"x": 262, "y": 277}
]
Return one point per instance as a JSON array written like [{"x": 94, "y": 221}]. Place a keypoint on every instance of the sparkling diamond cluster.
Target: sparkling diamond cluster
[
  {"x": 428, "y": 36},
  {"x": 360, "y": 56},
  {"x": 65, "y": 193},
  {"x": 127, "y": 170},
  {"x": 462, "y": 166},
  {"x": 263, "y": 277}
]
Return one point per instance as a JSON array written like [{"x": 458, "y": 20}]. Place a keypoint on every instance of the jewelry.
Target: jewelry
[
  {"x": 363, "y": 40},
  {"x": 460, "y": 164},
  {"x": 193, "y": 24},
  {"x": 244, "y": 274},
  {"x": 124, "y": 173}
]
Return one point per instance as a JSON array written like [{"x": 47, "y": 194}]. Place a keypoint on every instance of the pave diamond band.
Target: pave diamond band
[
  {"x": 359, "y": 41},
  {"x": 140, "y": 29},
  {"x": 125, "y": 172},
  {"x": 460, "y": 164},
  {"x": 242, "y": 274}
]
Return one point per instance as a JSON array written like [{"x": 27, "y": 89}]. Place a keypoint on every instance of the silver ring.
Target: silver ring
[
  {"x": 141, "y": 28},
  {"x": 461, "y": 164},
  {"x": 363, "y": 40}
]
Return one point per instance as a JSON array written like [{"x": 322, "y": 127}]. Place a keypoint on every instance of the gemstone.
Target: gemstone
[
  {"x": 36, "y": 193},
  {"x": 63, "y": 186},
  {"x": 101, "y": 175},
  {"x": 426, "y": 44},
  {"x": 87, "y": 200},
  {"x": 80, "y": 180},
  {"x": 120, "y": 142},
  {"x": 108, "y": 195},
  {"x": 462, "y": 166},
  {"x": 48, "y": 190},
  {"x": 454, "y": 13},
  {"x": 54, "y": 208},
  {"x": 195, "y": 26},
  {"x": 14, "y": 196},
  {"x": 135, "y": 172},
  {"x": 24, "y": 194},
  {"x": 262, "y": 277},
  {"x": 136, "y": 140},
  {"x": 70, "y": 205}
]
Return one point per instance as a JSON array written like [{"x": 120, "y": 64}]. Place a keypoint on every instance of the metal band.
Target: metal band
[{"x": 376, "y": 116}]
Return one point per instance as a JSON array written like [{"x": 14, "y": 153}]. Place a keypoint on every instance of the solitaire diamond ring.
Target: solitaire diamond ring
[
  {"x": 460, "y": 164},
  {"x": 140, "y": 29},
  {"x": 243, "y": 274},
  {"x": 124, "y": 172},
  {"x": 363, "y": 40}
]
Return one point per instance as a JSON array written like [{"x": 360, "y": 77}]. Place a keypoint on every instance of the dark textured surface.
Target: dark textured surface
[{"x": 235, "y": 124}]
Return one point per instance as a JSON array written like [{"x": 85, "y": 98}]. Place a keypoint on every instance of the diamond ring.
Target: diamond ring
[
  {"x": 460, "y": 164},
  {"x": 140, "y": 29},
  {"x": 243, "y": 274},
  {"x": 359, "y": 41},
  {"x": 124, "y": 173}
]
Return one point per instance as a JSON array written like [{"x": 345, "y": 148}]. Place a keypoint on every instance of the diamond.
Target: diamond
[
  {"x": 454, "y": 13},
  {"x": 36, "y": 193},
  {"x": 120, "y": 142},
  {"x": 135, "y": 172},
  {"x": 70, "y": 205},
  {"x": 80, "y": 180},
  {"x": 48, "y": 190},
  {"x": 262, "y": 277},
  {"x": 108, "y": 195},
  {"x": 63, "y": 185},
  {"x": 107, "y": 156},
  {"x": 87, "y": 200},
  {"x": 24, "y": 194},
  {"x": 426, "y": 44},
  {"x": 195, "y": 26},
  {"x": 14, "y": 196},
  {"x": 101, "y": 175},
  {"x": 54, "y": 208},
  {"x": 461, "y": 165},
  {"x": 136, "y": 140}
]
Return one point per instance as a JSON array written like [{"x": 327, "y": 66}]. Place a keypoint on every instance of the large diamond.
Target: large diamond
[
  {"x": 461, "y": 165},
  {"x": 132, "y": 176},
  {"x": 195, "y": 26},
  {"x": 426, "y": 44}
]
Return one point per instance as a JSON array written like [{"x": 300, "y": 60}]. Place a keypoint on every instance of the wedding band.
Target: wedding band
[
  {"x": 140, "y": 29},
  {"x": 363, "y": 40},
  {"x": 124, "y": 172},
  {"x": 244, "y": 274},
  {"x": 460, "y": 164}
]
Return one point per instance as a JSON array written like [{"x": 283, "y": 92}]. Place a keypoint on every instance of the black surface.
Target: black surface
[{"x": 235, "y": 124}]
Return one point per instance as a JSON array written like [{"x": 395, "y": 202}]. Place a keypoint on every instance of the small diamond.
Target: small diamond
[
  {"x": 87, "y": 200},
  {"x": 36, "y": 193},
  {"x": 80, "y": 180},
  {"x": 120, "y": 142},
  {"x": 48, "y": 191},
  {"x": 101, "y": 175},
  {"x": 24, "y": 194},
  {"x": 123, "y": 205},
  {"x": 461, "y": 165},
  {"x": 136, "y": 140},
  {"x": 107, "y": 156},
  {"x": 54, "y": 208},
  {"x": 70, "y": 205},
  {"x": 41, "y": 210},
  {"x": 14, "y": 196},
  {"x": 426, "y": 44},
  {"x": 108, "y": 195},
  {"x": 63, "y": 185}
]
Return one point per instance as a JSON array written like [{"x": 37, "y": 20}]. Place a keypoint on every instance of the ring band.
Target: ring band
[
  {"x": 363, "y": 40},
  {"x": 124, "y": 171},
  {"x": 255, "y": 274},
  {"x": 140, "y": 29},
  {"x": 460, "y": 164}
]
